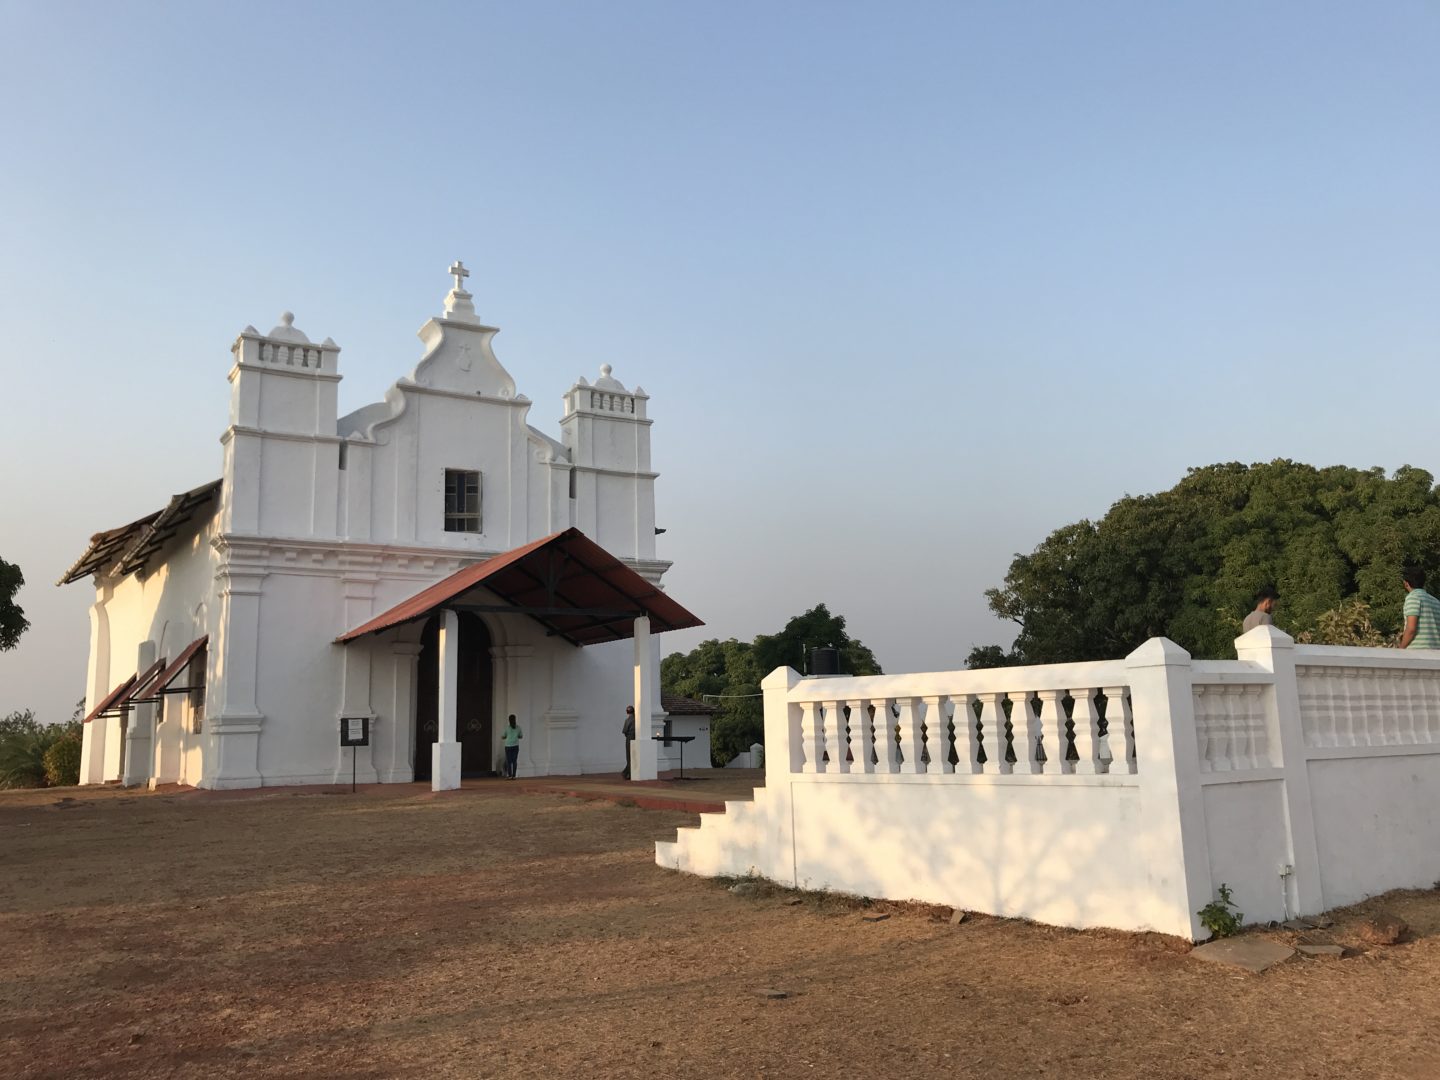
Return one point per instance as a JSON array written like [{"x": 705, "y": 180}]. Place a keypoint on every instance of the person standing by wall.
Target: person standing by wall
[
  {"x": 1263, "y": 615},
  {"x": 628, "y": 730},
  {"x": 1422, "y": 612},
  {"x": 513, "y": 735}
]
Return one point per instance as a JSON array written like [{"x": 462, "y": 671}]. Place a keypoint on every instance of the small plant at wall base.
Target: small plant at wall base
[{"x": 1219, "y": 916}]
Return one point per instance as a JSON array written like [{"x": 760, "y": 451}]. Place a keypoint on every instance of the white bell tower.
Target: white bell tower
[{"x": 281, "y": 448}]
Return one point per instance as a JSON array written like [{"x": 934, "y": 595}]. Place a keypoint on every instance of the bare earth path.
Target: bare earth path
[{"x": 495, "y": 933}]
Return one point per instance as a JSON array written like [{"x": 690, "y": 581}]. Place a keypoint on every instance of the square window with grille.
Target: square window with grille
[{"x": 462, "y": 501}]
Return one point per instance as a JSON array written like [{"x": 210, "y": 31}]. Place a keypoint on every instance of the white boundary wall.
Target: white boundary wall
[{"x": 1304, "y": 777}]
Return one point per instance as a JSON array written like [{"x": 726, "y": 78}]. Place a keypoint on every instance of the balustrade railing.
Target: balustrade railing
[
  {"x": 604, "y": 401},
  {"x": 1232, "y": 726},
  {"x": 1006, "y": 722},
  {"x": 1352, "y": 705},
  {"x": 290, "y": 355}
]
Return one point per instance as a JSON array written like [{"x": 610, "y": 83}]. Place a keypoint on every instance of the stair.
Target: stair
[{"x": 739, "y": 842}]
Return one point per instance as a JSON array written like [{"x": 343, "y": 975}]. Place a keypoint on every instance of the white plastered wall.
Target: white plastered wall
[{"x": 168, "y": 607}]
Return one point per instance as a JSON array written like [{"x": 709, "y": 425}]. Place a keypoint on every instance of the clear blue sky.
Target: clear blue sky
[{"x": 910, "y": 284}]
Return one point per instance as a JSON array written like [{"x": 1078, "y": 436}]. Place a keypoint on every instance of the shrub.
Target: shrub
[
  {"x": 23, "y": 746},
  {"x": 1349, "y": 624},
  {"x": 1220, "y": 917},
  {"x": 62, "y": 761}
]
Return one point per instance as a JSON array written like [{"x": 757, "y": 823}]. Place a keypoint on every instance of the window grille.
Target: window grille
[{"x": 462, "y": 501}]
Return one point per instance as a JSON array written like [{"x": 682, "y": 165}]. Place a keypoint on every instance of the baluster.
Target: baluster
[
  {"x": 993, "y": 717},
  {"x": 1204, "y": 729},
  {"x": 1383, "y": 727},
  {"x": 937, "y": 736},
  {"x": 1430, "y": 693},
  {"x": 1348, "y": 732},
  {"x": 1024, "y": 730},
  {"x": 910, "y": 738},
  {"x": 1324, "y": 679},
  {"x": 1305, "y": 688},
  {"x": 1414, "y": 693},
  {"x": 886, "y": 760},
  {"x": 1057, "y": 745},
  {"x": 1226, "y": 752},
  {"x": 812, "y": 741},
  {"x": 967, "y": 737},
  {"x": 862, "y": 738},
  {"x": 1242, "y": 750},
  {"x": 1258, "y": 720},
  {"x": 835, "y": 738},
  {"x": 1371, "y": 729},
  {"x": 1120, "y": 733},
  {"x": 1404, "y": 706},
  {"x": 1085, "y": 720},
  {"x": 1324, "y": 699}
]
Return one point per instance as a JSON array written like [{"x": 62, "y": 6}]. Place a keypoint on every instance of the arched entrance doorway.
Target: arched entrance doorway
[{"x": 473, "y": 698}]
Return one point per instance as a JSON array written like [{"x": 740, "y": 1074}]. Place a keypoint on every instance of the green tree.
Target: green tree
[
  {"x": 12, "y": 617},
  {"x": 1186, "y": 563},
  {"x": 989, "y": 656},
  {"x": 728, "y": 673}
]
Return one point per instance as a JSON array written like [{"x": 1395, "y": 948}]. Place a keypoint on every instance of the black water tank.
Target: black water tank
[{"x": 825, "y": 661}]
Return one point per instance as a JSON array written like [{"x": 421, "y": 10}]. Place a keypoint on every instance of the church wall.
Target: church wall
[
  {"x": 298, "y": 678},
  {"x": 293, "y": 402},
  {"x": 439, "y": 431},
  {"x": 167, "y": 608},
  {"x": 616, "y": 528}
]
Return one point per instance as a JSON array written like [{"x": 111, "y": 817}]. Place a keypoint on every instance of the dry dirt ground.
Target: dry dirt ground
[{"x": 492, "y": 933}]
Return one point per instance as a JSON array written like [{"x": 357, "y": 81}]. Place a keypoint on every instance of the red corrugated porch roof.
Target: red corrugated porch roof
[{"x": 568, "y": 583}]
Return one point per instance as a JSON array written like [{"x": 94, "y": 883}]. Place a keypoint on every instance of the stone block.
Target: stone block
[
  {"x": 1251, "y": 953},
  {"x": 1321, "y": 952}
]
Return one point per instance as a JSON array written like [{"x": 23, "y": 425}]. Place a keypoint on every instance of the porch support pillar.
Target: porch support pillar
[
  {"x": 645, "y": 753},
  {"x": 445, "y": 755}
]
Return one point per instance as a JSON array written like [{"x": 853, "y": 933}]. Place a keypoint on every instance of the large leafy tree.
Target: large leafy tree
[
  {"x": 729, "y": 673},
  {"x": 1185, "y": 563},
  {"x": 12, "y": 619}
]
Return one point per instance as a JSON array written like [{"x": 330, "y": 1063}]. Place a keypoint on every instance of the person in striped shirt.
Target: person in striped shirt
[{"x": 1422, "y": 612}]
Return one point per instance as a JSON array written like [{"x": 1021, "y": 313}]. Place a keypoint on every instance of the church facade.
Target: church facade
[{"x": 401, "y": 579}]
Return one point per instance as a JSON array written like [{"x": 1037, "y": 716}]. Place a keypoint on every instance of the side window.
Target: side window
[
  {"x": 195, "y": 679},
  {"x": 462, "y": 501}
]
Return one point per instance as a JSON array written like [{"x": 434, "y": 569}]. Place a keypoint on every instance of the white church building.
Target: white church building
[{"x": 409, "y": 575}]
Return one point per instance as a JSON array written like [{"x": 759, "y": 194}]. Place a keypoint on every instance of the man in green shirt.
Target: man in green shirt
[
  {"x": 1422, "y": 612},
  {"x": 513, "y": 735}
]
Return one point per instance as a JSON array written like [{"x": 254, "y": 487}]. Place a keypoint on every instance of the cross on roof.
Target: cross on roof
[{"x": 459, "y": 273}]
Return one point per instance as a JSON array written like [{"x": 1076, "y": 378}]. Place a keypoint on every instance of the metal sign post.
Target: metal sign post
[{"x": 354, "y": 731}]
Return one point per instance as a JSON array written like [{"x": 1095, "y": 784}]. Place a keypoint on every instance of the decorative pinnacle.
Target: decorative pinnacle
[{"x": 459, "y": 273}]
